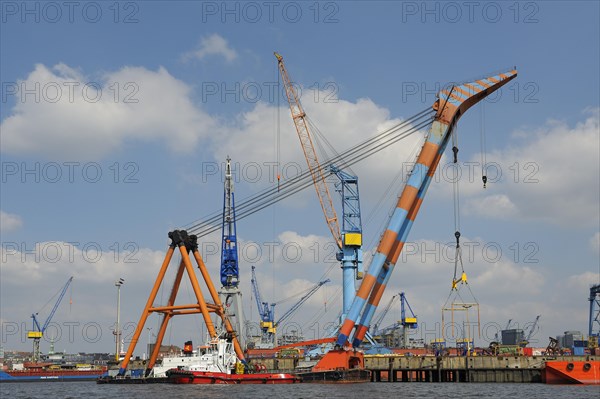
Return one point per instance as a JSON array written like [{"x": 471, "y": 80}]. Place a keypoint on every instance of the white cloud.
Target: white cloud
[
  {"x": 134, "y": 104},
  {"x": 595, "y": 242},
  {"x": 9, "y": 222},
  {"x": 253, "y": 139},
  {"x": 214, "y": 44},
  {"x": 582, "y": 282},
  {"x": 550, "y": 174},
  {"x": 497, "y": 205}
]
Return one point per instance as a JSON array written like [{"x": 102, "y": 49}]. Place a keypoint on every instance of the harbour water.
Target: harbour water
[{"x": 76, "y": 390}]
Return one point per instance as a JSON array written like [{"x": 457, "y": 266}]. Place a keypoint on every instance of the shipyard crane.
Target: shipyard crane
[
  {"x": 37, "y": 332},
  {"x": 406, "y": 322},
  {"x": 594, "y": 323},
  {"x": 229, "y": 254},
  {"x": 297, "y": 305},
  {"x": 265, "y": 311},
  {"x": 268, "y": 324},
  {"x": 450, "y": 105},
  {"x": 385, "y": 311},
  {"x": 230, "y": 293},
  {"x": 525, "y": 342},
  {"x": 349, "y": 237}
]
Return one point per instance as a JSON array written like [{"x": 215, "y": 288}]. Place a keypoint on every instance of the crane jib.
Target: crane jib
[{"x": 449, "y": 107}]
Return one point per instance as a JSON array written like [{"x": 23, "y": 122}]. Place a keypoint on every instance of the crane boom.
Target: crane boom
[
  {"x": 316, "y": 171},
  {"x": 383, "y": 314},
  {"x": 449, "y": 106},
  {"x": 301, "y": 301},
  {"x": 266, "y": 314},
  {"x": 38, "y": 332}
]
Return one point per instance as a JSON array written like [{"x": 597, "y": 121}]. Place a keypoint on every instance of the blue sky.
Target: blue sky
[{"x": 178, "y": 93}]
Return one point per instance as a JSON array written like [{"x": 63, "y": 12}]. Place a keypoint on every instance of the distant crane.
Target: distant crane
[
  {"x": 525, "y": 342},
  {"x": 506, "y": 328},
  {"x": 383, "y": 313},
  {"x": 594, "y": 324},
  {"x": 407, "y": 322},
  {"x": 349, "y": 237},
  {"x": 267, "y": 311},
  {"x": 38, "y": 332}
]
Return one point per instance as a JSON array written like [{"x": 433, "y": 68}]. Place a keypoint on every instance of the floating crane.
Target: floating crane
[
  {"x": 38, "y": 332},
  {"x": 349, "y": 237},
  {"x": 268, "y": 325},
  {"x": 230, "y": 293},
  {"x": 450, "y": 105}
]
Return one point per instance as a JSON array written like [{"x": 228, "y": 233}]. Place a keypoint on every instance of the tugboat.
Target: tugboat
[{"x": 219, "y": 365}]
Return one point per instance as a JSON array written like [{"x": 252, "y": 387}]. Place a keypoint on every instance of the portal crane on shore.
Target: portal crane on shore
[
  {"x": 525, "y": 342},
  {"x": 37, "y": 332},
  {"x": 450, "y": 105},
  {"x": 385, "y": 311},
  {"x": 265, "y": 311},
  {"x": 594, "y": 323},
  {"x": 349, "y": 237},
  {"x": 268, "y": 325}
]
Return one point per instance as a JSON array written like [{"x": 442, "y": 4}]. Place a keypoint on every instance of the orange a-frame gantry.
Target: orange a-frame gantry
[{"x": 186, "y": 243}]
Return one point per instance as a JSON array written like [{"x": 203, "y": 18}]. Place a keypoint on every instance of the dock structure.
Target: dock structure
[{"x": 399, "y": 368}]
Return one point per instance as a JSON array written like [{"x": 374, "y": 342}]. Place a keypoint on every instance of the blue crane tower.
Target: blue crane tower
[
  {"x": 37, "y": 331},
  {"x": 594, "y": 323},
  {"x": 230, "y": 294},
  {"x": 266, "y": 312}
]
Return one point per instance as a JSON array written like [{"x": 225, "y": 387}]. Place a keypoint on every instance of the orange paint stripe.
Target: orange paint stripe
[
  {"x": 361, "y": 331},
  {"x": 482, "y": 83},
  {"x": 493, "y": 80},
  {"x": 397, "y": 250},
  {"x": 386, "y": 242},
  {"x": 463, "y": 92},
  {"x": 378, "y": 292},
  {"x": 347, "y": 326},
  {"x": 454, "y": 96},
  {"x": 412, "y": 214},
  {"x": 407, "y": 198},
  {"x": 428, "y": 153},
  {"x": 471, "y": 87},
  {"x": 366, "y": 286}
]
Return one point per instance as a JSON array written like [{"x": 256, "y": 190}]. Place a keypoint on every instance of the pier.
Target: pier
[{"x": 515, "y": 369}]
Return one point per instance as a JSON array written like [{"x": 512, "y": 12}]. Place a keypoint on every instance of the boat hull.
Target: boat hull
[
  {"x": 41, "y": 376},
  {"x": 572, "y": 372},
  {"x": 205, "y": 377},
  {"x": 336, "y": 376}
]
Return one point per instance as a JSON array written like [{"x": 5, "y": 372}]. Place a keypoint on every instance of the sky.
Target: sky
[{"x": 117, "y": 117}]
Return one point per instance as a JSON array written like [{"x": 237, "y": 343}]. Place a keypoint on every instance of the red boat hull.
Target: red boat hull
[
  {"x": 572, "y": 372},
  {"x": 203, "y": 377}
]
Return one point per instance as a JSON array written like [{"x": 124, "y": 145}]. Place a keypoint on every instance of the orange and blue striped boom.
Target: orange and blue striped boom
[{"x": 449, "y": 106}]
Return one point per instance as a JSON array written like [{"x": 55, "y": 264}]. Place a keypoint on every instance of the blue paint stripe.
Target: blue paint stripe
[
  {"x": 357, "y": 306},
  {"x": 396, "y": 221},
  {"x": 459, "y": 94},
  {"x": 417, "y": 176},
  {"x": 342, "y": 338}
]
